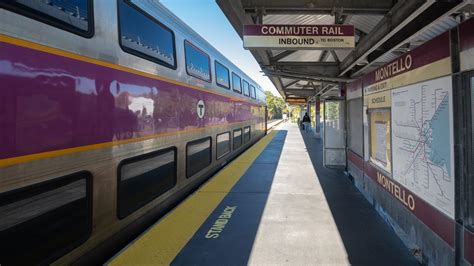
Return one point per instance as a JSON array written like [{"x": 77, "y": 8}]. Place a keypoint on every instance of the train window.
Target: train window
[
  {"x": 198, "y": 155},
  {"x": 236, "y": 83},
  {"x": 246, "y": 134},
  {"x": 197, "y": 62},
  {"x": 223, "y": 144},
  {"x": 246, "y": 88},
  {"x": 143, "y": 178},
  {"x": 74, "y": 15},
  {"x": 222, "y": 75},
  {"x": 144, "y": 36},
  {"x": 42, "y": 222},
  {"x": 252, "y": 92},
  {"x": 237, "y": 138}
]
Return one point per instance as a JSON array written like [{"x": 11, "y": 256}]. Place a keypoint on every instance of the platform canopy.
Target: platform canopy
[{"x": 384, "y": 29}]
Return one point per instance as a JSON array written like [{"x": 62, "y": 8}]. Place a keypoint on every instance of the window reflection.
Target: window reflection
[
  {"x": 145, "y": 36},
  {"x": 246, "y": 134},
  {"x": 222, "y": 75},
  {"x": 223, "y": 144},
  {"x": 73, "y": 13},
  {"x": 237, "y": 138},
  {"x": 246, "y": 88},
  {"x": 236, "y": 83},
  {"x": 197, "y": 62},
  {"x": 152, "y": 174},
  {"x": 198, "y": 156},
  {"x": 252, "y": 91}
]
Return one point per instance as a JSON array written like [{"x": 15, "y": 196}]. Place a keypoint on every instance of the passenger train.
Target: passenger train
[{"x": 111, "y": 112}]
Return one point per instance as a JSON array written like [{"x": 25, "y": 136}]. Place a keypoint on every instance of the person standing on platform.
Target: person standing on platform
[{"x": 307, "y": 122}]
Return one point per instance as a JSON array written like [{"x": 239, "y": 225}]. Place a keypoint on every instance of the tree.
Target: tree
[
  {"x": 332, "y": 111},
  {"x": 295, "y": 113},
  {"x": 275, "y": 106}
]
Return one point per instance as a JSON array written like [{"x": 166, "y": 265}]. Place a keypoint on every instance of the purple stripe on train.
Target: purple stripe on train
[{"x": 51, "y": 102}]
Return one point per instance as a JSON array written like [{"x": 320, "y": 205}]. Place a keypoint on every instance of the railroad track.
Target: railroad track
[{"x": 273, "y": 124}]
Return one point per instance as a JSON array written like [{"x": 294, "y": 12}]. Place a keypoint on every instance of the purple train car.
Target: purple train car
[{"x": 110, "y": 113}]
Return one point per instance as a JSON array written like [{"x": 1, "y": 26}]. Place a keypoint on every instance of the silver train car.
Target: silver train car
[{"x": 111, "y": 112}]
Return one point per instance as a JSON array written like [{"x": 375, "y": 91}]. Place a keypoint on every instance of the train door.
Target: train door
[{"x": 334, "y": 132}]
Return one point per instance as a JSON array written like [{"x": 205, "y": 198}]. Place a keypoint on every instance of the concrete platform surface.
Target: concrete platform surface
[
  {"x": 314, "y": 215},
  {"x": 276, "y": 204}
]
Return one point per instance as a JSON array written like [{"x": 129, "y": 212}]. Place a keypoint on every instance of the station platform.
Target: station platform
[{"x": 274, "y": 204}]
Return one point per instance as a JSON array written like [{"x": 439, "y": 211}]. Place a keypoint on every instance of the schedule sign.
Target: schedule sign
[
  {"x": 296, "y": 100},
  {"x": 299, "y": 36}
]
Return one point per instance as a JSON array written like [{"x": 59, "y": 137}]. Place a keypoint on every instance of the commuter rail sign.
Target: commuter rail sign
[{"x": 299, "y": 37}]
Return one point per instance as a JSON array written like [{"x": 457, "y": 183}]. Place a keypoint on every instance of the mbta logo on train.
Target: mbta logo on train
[{"x": 201, "y": 109}]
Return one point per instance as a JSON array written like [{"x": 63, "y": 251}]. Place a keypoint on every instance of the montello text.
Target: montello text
[
  {"x": 400, "y": 193},
  {"x": 392, "y": 69}
]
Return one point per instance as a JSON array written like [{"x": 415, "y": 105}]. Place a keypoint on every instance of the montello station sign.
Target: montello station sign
[{"x": 299, "y": 36}]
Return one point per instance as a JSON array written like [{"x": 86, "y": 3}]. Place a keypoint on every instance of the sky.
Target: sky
[{"x": 207, "y": 19}]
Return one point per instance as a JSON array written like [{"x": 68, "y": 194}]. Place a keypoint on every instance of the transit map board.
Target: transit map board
[
  {"x": 298, "y": 36},
  {"x": 423, "y": 141},
  {"x": 417, "y": 89}
]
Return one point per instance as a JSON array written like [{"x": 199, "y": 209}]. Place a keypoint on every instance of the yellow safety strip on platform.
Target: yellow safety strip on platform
[{"x": 164, "y": 240}]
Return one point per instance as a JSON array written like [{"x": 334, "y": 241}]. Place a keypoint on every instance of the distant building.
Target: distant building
[
  {"x": 70, "y": 14},
  {"x": 137, "y": 45}
]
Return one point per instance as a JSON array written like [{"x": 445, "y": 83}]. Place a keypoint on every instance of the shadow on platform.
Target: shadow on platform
[
  {"x": 224, "y": 240},
  {"x": 367, "y": 238},
  {"x": 229, "y": 233}
]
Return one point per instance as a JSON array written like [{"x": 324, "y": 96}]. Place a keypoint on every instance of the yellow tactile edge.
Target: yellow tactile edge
[{"x": 164, "y": 240}]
